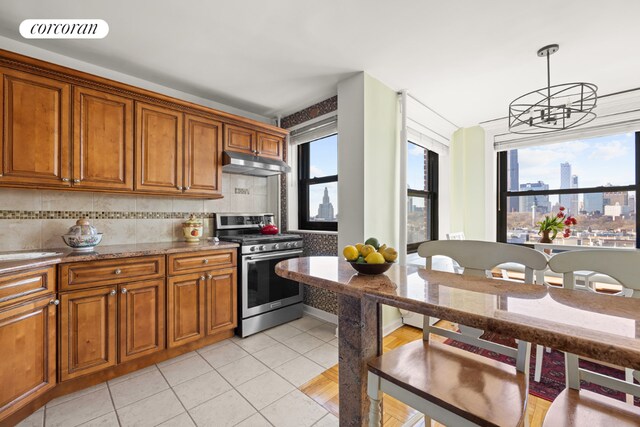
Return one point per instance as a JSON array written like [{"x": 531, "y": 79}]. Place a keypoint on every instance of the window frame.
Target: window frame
[
  {"x": 430, "y": 195},
  {"x": 304, "y": 182},
  {"x": 504, "y": 193}
]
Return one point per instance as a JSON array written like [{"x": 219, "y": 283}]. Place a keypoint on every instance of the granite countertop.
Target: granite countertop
[
  {"x": 66, "y": 255},
  {"x": 603, "y": 327}
]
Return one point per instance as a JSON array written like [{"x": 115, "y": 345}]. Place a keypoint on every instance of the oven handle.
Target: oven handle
[{"x": 273, "y": 256}]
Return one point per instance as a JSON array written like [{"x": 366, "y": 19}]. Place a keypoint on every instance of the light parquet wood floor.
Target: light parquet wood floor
[{"x": 324, "y": 388}]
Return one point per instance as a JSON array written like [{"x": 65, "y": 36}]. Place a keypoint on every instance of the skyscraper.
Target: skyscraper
[
  {"x": 565, "y": 182},
  {"x": 325, "y": 209},
  {"x": 542, "y": 203},
  {"x": 573, "y": 206},
  {"x": 594, "y": 203},
  {"x": 513, "y": 180}
]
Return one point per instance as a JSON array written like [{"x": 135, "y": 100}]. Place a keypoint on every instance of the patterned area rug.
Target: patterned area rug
[{"x": 552, "y": 381}]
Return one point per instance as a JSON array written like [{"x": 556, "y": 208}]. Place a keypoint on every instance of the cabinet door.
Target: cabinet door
[
  {"x": 158, "y": 149},
  {"x": 28, "y": 340},
  {"x": 221, "y": 300},
  {"x": 36, "y": 148},
  {"x": 203, "y": 156},
  {"x": 102, "y": 140},
  {"x": 141, "y": 311},
  {"x": 269, "y": 146},
  {"x": 239, "y": 139},
  {"x": 87, "y": 331},
  {"x": 185, "y": 308}
]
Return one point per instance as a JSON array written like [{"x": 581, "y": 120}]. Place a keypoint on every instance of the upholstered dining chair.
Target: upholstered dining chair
[
  {"x": 450, "y": 385},
  {"x": 575, "y": 406}
]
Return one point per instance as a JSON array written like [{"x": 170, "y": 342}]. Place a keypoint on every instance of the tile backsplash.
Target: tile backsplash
[{"x": 33, "y": 219}]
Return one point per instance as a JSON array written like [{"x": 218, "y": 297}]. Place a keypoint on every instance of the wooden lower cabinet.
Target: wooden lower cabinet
[
  {"x": 141, "y": 313},
  {"x": 28, "y": 340},
  {"x": 87, "y": 331},
  {"x": 185, "y": 308},
  {"x": 221, "y": 300}
]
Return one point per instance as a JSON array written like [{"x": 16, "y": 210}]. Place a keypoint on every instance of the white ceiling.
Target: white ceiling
[{"x": 467, "y": 59}]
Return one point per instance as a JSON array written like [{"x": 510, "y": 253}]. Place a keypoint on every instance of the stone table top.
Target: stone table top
[{"x": 602, "y": 327}]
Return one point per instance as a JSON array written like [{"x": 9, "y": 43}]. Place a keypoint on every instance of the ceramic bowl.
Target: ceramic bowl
[
  {"x": 82, "y": 242},
  {"x": 370, "y": 269}
]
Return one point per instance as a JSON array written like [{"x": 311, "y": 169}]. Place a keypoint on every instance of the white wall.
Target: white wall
[{"x": 45, "y": 55}]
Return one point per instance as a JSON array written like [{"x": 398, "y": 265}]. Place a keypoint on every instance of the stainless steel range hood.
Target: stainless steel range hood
[{"x": 246, "y": 164}]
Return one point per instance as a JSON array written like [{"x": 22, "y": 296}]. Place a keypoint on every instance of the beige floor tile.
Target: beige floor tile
[
  {"x": 133, "y": 375},
  {"x": 328, "y": 420},
  {"x": 224, "y": 355},
  {"x": 137, "y": 388},
  {"x": 326, "y": 332},
  {"x": 282, "y": 332},
  {"x": 108, "y": 420},
  {"x": 298, "y": 371},
  {"x": 72, "y": 396},
  {"x": 294, "y": 410},
  {"x": 34, "y": 420},
  {"x": 303, "y": 343},
  {"x": 255, "y": 420},
  {"x": 182, "y": 420},
  {"x": 305, "y": 323},
  {"x": 200, "y": 389},
  {"x": 214, "y": 345},
  {"x": 184, "y": 370},
  {"x": 326, "y": 355},
  {"x": 242, "y": 370},
  {"x": 276, "y": 355},
  {"x": 256, "y": 342},
  {"x": 228, "y": 409},
  {"x": 79, "y": 410},
  {"x": 334, "y": 342},
  {"x": 265, "y": 389},
  {"x": 177, "y": 359},
  {"x": 151, "y": 411}
]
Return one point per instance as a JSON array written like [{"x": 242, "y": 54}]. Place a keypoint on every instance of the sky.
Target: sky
[{"x": 324, "y": 162}]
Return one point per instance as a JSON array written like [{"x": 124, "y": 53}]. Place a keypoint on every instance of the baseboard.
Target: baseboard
[
  {"x": 386, "y": 330},
  {"x": 320, "y": 314}
]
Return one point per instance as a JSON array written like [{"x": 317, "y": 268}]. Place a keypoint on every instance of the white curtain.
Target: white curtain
[{"x": 310, "y": 132}]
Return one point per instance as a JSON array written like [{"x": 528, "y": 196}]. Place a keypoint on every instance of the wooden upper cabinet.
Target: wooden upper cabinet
[
  {"x": 28, "y": 340},
  {"x": 203, "y": 156},
  {"x": 221, "y": 300},
  {"x": 102, "y": 140},
  {"x": 159, "y": 150},
  {"x": 141, "y": 312},
  {"x": 239, "y": 139},
  {"x": 269, "y": 146},
  {"x": 87, "y": 331},
  {"x": 36, "y": 125}
]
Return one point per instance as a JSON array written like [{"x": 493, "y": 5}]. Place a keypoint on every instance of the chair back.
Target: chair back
[
  {"x": 621, "y": 265},
  {"x": 479, "y": 257},
  {"x": 455, "y": 236}
]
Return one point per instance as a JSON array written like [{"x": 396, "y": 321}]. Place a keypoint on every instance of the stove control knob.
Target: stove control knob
[
  {"x": 287, "y": 245},
  {"x": 252, "y": 248},
  {"x": 262, "y": 248},
  {"x": 275, "y": 246}
]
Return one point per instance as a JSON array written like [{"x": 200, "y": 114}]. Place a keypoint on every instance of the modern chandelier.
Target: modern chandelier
[{"x": 553, "y": 108}]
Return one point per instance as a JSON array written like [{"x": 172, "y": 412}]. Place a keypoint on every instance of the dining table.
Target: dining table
[{"x": 600, "y": 327}]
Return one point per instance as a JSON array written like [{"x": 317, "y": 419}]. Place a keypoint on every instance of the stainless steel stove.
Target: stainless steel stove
[{"x": 264, "y": 298}]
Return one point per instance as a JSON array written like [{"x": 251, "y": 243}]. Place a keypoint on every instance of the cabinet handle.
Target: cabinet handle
[
  {"x": 54, "y": 302},
  {"x": 124, "y": 290},
  {"x": 186, "y": 188},
  {"x": 205, "y": 261},
  {"x": 65, "y": 179},
  {"x": 202, "y": 278},
  {"x": 77, "y": 181},
  {"x": 117, "y": 271},
  {"x": 257, "y": 153},
  {"x": 113, "y": 292},
  {"x": 209, "y": 276},
  {"x": 178, "y": 187}
]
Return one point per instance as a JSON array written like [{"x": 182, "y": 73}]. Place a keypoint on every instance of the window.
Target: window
[
  {"x": 595, "y": 179},
  {"x": 318, "y": 184},
  {"x": 422, "y": 196}
]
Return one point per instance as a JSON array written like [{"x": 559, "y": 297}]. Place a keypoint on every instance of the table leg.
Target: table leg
[{"x": 359, "y": 339}]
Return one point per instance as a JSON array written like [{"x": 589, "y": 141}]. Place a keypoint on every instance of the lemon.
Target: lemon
[
  {"x": 366, "y": 250},
  {"x": 350, "y": 253},
  {"x": 390, "y": 255},
  {"x": 373, "y": 242},
  {"x": 375, "y": 258},
  {"x": 359, "y": 247},
  {"x": 382, "y": 248}
]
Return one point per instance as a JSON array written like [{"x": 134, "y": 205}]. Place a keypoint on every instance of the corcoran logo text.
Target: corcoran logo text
[{"x": 64, "y": 29}]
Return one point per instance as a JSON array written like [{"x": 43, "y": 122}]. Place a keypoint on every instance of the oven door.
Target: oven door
[{"x": 262, "y": 289}]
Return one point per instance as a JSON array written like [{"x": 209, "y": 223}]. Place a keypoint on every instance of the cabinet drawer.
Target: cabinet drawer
[
  {"x": 97, "y": 273},
  {"x": 201, "y": 261},
  {"x": 20, "y": 286}
]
